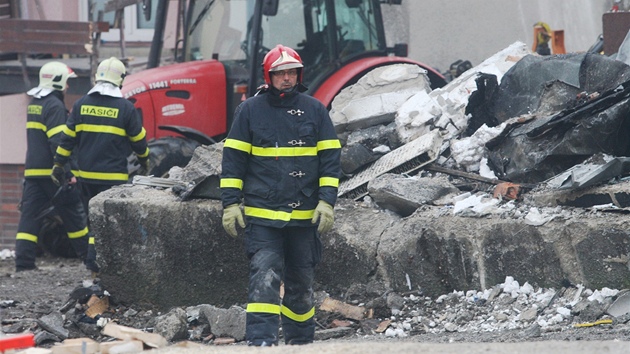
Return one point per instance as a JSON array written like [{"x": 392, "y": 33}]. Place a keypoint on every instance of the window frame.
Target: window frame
[{"x": 132, "y": 32}]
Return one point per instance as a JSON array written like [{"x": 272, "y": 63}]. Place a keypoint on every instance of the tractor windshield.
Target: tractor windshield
[{"x": 326, "y": 33}]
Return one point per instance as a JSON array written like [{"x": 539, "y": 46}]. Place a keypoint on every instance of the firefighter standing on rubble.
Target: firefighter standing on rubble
[
  {"x": 282, "y": 156},
  {"x": 103, "y": 130},
  {"x": 46, "y": 118}
]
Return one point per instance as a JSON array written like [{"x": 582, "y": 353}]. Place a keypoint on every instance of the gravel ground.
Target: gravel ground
[{"x": 27, "y": 296}]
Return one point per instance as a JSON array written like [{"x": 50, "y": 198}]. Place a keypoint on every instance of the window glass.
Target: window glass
[
  {"x": 99, "y": 5},
  {"x": 356, "y": 26},
  {"x": 141, "y": 19}
]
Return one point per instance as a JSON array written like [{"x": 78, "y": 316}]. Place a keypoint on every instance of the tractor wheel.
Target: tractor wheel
[{"x": 169, "y": 151}]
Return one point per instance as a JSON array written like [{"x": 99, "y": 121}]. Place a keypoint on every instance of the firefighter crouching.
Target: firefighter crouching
[
  {"x": 102, "y": 130},
  {"x": 46, "y": 118},
  {"x": 281, "y": 157}
]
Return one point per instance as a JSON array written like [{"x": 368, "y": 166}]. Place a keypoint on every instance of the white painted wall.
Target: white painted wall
[
  {"x": 443, "y": 31},
  {"x": 13, "y": 128}
]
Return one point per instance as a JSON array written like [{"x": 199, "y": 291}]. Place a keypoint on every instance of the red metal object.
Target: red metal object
[
  {"x": 507, "y": 190},
  {"x": 191, "y": 94},
  {"x": 326, "y": 91},
  {"x": 17, "y": 342}
]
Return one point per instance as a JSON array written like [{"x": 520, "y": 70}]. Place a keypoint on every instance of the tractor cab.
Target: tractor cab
[{"x": 326, "y": 33}]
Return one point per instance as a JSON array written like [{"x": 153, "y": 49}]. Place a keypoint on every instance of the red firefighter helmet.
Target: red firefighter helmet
[{"x": 281, "y": 58}]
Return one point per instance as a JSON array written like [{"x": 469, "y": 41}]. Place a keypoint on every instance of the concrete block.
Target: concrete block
[{"x": 153, "y": 248}]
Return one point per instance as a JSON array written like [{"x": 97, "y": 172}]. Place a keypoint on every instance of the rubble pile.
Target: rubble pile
[
  {"x": 462, "y": 187},
  {"x": 509, "y": 311},
  {"x": 508, "y": 307}
]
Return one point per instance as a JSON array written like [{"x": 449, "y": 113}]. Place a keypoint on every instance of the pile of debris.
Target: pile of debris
[
  {"x": 87, "y": 323},
  {"x": 516, "y": 128}
]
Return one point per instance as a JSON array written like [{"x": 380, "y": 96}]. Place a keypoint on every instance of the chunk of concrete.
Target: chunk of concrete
[
  {"x": 621, "y": 306},
  {"x": 173, "y": 326},
  {"x": 53, "y": 323},
  {"x": 375, "y": 98},
  {"x": 154, "y": 248},
  {"x": 224, "y": 322},
  {"x": 445, "y": 107},
  {"x": 403, "y": 195},
  {"x": 201, "y": 175}
]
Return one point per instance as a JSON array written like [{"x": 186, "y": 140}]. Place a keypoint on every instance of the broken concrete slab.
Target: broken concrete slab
[
  {"x": 153, "y": 247},
  {"x": 425, "y": 253},
  {"x": 375, "y": 98},
  {"x": 167, "y": 261},
  {"x": 444, "y": 108},
  {"x": 200, "y": 177},
  {"x": 403, "y": 195}
]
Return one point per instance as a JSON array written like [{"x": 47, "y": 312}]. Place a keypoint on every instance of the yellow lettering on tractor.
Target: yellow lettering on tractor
[
  {"x": 99, "y": 111},
  {"x": 34, "y": 109}
]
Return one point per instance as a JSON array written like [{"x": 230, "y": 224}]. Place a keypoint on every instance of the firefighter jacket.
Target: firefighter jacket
[
  {"x": 103, "y": 131},
  {"x": 45, "y": 120},
  {"x": 282, "y": 156}
]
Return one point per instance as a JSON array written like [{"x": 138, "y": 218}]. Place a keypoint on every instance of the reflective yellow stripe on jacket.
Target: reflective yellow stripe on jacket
[
  {"x": 279, "y": 215},
  {"x": 104, "y": 176}
]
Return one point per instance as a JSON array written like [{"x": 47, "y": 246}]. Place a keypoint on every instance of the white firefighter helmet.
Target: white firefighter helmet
[
  {"x": 111, "y": 70},
  {"x": 55, "y": 75}
]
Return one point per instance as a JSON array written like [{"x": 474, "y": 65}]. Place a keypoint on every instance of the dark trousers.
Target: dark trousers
[
  {"x": 90, "y": 190},
  {"x": 39, "y": 194},
  {"x": 286, "y": 255}
]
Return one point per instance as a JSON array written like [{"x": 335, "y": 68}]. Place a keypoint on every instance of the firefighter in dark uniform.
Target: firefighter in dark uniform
[
  {"x": 281, "y": 157},
  {"x": 46, "y": 118},
  {"x": 103, "y": 130}
]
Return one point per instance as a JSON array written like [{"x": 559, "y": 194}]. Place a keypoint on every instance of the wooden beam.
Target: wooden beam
[{"x": 115, "y": 5}]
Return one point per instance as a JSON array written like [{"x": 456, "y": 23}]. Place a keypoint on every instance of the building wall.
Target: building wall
[
  {"x": 11, "y": 177},
  {"x": 12, "y": 156},
  {"x": 441, "y": 32},
  {"x": 50, "y": 10}
]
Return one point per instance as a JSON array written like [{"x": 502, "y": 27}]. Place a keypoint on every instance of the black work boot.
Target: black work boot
[{"x": 25, "y": 253}]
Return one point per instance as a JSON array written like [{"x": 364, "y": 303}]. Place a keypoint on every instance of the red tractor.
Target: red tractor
[{"x": 219, "y": 61}]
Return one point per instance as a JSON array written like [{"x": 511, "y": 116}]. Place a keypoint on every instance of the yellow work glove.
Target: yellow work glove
[
  {"x": 58, "y": 175},
  {"x": 145, "y": 166},
  {"x": 232, "y": 214},
  {"x": 326, "y": 216}
]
